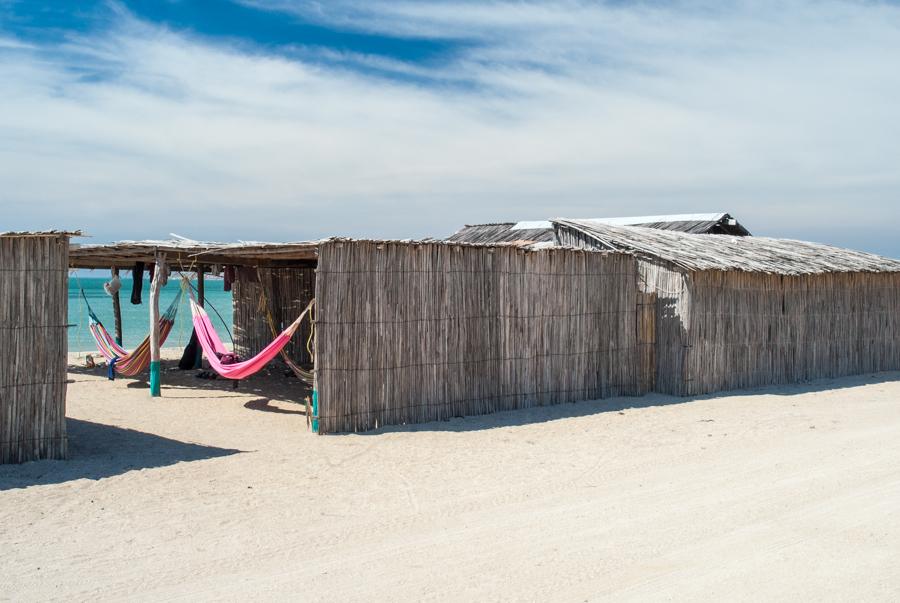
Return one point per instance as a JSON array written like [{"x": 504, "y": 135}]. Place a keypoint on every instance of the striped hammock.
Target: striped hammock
[{"x": 121, "y": 361}]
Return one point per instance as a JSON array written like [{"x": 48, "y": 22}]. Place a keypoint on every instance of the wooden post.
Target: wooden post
[
  {"x": 154, "y": 324},
  {"x": 117, "y": 309},
  {"x": 201, "y": 297}
]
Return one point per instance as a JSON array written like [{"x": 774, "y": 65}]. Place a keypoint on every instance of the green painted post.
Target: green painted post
[
  {"x": 154, "y": 378},
  {"x": 315, "y": 411}
]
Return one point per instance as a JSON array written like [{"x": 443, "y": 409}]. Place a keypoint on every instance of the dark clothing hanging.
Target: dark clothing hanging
[
  {"x": 229, "y": 277},
  {"x": 137, "y": 282},
  {"x": 189, "y": 357}
]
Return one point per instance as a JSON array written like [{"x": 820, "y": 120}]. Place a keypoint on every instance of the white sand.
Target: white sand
[{"x": 775, "y": 494}]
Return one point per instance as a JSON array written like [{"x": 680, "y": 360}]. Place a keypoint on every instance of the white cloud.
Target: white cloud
[{"x": 783, "y": 114}]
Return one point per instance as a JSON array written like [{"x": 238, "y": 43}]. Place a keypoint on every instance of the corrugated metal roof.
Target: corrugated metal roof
[
  {"x": 727, "y": 252},
  {"x": 635, "y": 220},
  {"x": 542, "y": 230}
]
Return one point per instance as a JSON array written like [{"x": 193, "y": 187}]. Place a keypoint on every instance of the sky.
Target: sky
[{"x": 287, "y": 120}]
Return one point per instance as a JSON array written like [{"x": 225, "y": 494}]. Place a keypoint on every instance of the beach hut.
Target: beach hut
[
  {"x": 542, "y": 231},
  {"x": 417, "y": 331},
  {"x": 736, "y": 312},
  {"x": 33, "y": 345},
  {"x": 411, "y": 332}
]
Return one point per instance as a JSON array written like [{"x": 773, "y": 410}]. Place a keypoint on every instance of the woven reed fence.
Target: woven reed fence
[
  {"x": 286, "y": 292},
  {"x": 33, "y": 347},
  {"x": 411, "y": 333},
  {"x": 749, "y": 330}
]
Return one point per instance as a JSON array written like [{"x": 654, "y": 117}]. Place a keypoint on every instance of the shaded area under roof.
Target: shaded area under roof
[{"x": 748, "y": 254}]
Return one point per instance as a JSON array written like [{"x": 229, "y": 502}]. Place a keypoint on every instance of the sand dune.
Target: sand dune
[{"x": 210, "y": 493}]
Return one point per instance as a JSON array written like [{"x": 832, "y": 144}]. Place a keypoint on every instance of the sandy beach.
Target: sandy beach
[{"x": 213, "y": 493}]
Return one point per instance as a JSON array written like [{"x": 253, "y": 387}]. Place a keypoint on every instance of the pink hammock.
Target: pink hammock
[{"x": 215, "y": 350}]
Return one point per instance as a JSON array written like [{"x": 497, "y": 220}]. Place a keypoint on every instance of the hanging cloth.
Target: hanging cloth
[
  {"x": 189, "y": 357},
  {"x": 137, "y": 282}
]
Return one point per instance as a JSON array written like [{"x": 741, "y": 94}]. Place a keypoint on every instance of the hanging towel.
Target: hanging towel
[{"x": 137, "y": 282}]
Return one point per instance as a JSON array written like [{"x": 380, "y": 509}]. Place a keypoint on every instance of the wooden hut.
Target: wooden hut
[
  {"x": 410, "y": 332},
  {"x": 540, "y": 231},
  {"x": 33, "y": 345},
  {"x": 737, "y": 312}
]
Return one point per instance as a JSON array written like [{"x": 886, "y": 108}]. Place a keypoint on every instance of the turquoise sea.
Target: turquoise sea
[{"x": 136, "y": 318}]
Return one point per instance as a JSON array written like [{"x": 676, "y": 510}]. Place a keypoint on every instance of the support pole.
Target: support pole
[
  {"x": 154, "y": 324},
  {"x": 315, "y": 411},
  {"x": 201, "y": 297},
  {"x": 117, "y": 310}
]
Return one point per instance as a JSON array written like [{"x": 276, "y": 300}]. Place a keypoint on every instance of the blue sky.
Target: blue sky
[{"x": 293, "y": 119}]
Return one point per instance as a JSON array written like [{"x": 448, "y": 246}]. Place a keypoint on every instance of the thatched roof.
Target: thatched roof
[
  {"x": 501, "y": 232},
  {"x": 187, "y": 253},
  {"x": 725, "y": 252},
  {"x": 539, "y": 231},
  {"x": 41, "y": 233},
  {"x": 125, "y": 253}
]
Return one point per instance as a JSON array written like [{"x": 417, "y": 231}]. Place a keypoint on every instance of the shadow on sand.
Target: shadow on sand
[
  {"x": 568, "y": 410},
  {"x": 263, "y": 405},
  {"x": 97, "y": 451}
]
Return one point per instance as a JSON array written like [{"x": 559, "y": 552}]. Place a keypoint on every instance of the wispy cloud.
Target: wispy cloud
[{"x": 782, "y": 113}]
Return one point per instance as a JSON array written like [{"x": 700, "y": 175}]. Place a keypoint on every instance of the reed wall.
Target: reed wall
[
  {"x": 673, "y": 303},
  {"x": 752, "y": 329},
  {"x": 286, "y": 292},
  {"x": 411, "y": 333},
  {"x": 720, "y": 330},
  {"x": 33, "y": 347}
]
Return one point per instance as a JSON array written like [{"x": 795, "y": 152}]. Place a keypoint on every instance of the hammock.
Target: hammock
[
  {"x": 219, "y": 357},
  {"x": 305, "y": 376},
  {"x": 119, "y": 359}
]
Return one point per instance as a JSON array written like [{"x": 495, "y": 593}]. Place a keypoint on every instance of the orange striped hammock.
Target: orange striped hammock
[{"x": 119, "y": 360}]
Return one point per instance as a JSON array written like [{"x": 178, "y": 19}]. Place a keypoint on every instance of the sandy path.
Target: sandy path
[{"x": 214, "y": 494}]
